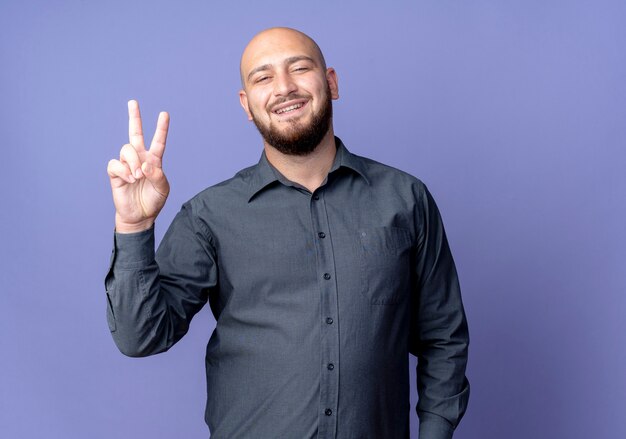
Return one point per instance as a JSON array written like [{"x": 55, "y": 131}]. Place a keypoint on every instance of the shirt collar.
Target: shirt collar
[{"x": 265, "y": 174}]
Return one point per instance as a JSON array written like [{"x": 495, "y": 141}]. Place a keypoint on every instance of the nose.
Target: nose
[{"x": 284, "y": 85}]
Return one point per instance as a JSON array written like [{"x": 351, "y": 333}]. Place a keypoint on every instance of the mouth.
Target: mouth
[{"x": 289, "y": 109}]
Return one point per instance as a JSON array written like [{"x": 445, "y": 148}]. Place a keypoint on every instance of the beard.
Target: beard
[{"x": 296, "y": 138}]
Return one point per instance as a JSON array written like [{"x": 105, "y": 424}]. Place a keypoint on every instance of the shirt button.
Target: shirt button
[
  {"x": 328, "y": 412},
  {"x": 321, "y": 235},
  {"x": 330, "y": 366},
  {"x": 316, "y": 197},
  {"x": 329, "y": 320},
  {"x": 326, "y": 276}
]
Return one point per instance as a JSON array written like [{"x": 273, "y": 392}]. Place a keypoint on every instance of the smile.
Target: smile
[{"x": 289, "y": 108}]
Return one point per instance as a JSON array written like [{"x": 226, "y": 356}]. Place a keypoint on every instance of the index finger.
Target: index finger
[
  {"x": 135, "y": 132},
  {"x": 157, "y": 147}
]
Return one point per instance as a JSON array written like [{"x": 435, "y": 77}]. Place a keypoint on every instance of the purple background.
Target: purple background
[{"x": 513, "y": 113}]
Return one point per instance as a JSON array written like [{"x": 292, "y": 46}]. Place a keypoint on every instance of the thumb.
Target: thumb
[
  {"x": 156, "y": 177},
  {"x": 147, "y": 168}
]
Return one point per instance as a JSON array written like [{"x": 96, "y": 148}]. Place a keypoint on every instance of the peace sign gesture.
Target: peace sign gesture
[{"x": 139, "y": 185}]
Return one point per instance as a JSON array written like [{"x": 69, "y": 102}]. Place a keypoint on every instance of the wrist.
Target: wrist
[{"x": 123, "y": 227}]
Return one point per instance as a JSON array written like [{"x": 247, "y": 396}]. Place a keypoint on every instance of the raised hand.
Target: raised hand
[{"x": 138, "y": 183}]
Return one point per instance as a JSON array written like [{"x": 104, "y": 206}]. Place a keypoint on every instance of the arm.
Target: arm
[
  {"x": 151, "y": 300},
  {"x": 439, "y": 335}
]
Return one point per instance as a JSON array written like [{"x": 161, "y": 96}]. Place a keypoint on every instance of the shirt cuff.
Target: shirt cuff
[
  {"x": 133, "y": 250},
  {"x": 434, "y": 427}
]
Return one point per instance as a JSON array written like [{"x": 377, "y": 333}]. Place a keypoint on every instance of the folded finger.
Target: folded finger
[
  {"x": 117, "y": 169},
  {"x": 129, "y": 155}
]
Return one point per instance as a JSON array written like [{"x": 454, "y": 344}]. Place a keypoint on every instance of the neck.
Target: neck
[{"x": 310, "y": 170}]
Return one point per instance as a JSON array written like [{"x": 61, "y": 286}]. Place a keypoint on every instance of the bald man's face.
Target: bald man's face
[{"x": 287, "y": 90}]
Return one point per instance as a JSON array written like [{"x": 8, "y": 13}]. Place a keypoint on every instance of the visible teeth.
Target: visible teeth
[{"x": 290, "y": 108}]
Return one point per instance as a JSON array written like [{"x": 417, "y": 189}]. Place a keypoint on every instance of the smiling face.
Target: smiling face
[{"x": 287, "y": 90}]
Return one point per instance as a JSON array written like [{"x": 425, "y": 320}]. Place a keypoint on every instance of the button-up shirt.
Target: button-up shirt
[{"x": 319, "y": 298}]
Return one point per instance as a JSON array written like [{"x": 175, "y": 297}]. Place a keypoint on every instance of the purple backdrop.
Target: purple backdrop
[{"x": 512, "y": 112}]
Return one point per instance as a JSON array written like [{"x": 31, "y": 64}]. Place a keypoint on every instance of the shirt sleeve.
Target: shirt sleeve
[
  {"x": 151, "y": 299},
  {"x": 439, "y": 334}
]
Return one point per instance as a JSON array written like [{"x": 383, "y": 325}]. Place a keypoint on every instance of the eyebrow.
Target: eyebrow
[{"x": 287, "y": 62}]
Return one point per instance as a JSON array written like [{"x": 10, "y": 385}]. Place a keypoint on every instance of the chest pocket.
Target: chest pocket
[{"x": 384, "y": 256}]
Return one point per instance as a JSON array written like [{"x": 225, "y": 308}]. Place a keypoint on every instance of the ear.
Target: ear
[
  {"x": 243, "y": 100},
  {"x": 333, "y": 83}
]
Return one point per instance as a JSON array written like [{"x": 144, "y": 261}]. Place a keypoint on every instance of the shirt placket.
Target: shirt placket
[{"x": 329, "y": 336}]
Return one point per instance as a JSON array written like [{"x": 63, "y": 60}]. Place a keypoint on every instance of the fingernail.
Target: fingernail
[
  {"x": 138, "y": 173},
  {"x": 131, "y": 178}
]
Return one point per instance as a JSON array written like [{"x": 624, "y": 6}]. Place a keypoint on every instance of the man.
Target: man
[{"x": 323, "y": 270}]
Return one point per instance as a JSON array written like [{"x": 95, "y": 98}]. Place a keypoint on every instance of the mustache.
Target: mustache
[{"x": 287, "y": 98}]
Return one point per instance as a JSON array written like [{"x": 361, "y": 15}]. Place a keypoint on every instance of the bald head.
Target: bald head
[
  {"x": 273, "y": 43},
  {"x": 287, "y": 91}
]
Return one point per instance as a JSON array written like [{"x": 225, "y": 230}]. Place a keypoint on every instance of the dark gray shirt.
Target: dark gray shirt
[{"x": 318, "y": 297}]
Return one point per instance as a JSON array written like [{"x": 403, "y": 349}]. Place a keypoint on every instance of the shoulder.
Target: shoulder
[
  {"x": 383, "y": 176},
  {"x": 233, "y": 190}
]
